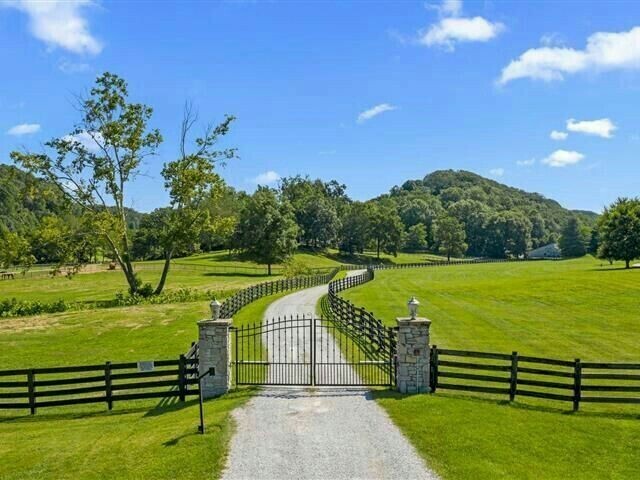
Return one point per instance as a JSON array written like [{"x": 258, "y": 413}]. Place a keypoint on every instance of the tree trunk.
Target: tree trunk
[
  {"x": 165, "y": 272},
  {"x": 627, "y": 263},
  {"x": 130, "y": 276},
  {"x": 448, "y": 256},
  {"x": 269, "y": 269},
  {"x": 378, "y": 249}
]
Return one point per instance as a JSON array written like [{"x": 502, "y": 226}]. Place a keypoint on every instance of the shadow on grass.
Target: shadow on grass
[
  {"x": 393, "y": 395},
  {"x": 613, "y": 269},
  {"x": 239, "y": 274},
  {"x": 161, "y": 408}
]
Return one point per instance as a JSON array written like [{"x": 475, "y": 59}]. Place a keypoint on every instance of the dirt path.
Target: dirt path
[{"x": 317, "y": 433}]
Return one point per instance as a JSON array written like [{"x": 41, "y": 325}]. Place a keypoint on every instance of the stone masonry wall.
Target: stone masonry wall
[
  {"x": 215, "y": 351},
  {"x": 413, "y": 355}
]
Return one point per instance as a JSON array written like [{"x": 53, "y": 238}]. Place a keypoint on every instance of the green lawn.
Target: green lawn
[
  {"x": 138, "y": 439},
  {"x": 93, "y": 287},
  {"x": 567, "y": 309},
  {"x": 219, "y": 272}
]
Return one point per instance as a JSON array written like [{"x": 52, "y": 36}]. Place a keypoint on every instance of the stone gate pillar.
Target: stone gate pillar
[
  {"x": 214, "y": 349},
  {"x": 413, "y": 355}
]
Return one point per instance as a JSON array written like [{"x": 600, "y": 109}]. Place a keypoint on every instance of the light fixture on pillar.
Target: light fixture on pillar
[
  {"x": 413, "y": 307},
  {"x": 215, "y": 309}
]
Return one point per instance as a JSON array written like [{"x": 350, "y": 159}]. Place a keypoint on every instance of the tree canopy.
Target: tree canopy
[
  {"x": 619, "y": 231},
  {"x": 267, "y": 228}
]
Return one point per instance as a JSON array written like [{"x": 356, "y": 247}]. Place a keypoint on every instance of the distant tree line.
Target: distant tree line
[{"x": 67, "y": 205}]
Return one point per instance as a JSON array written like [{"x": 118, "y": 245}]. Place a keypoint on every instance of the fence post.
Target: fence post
[
  {"x": 513, "y": 380},
  {"x": 181, "y": 377},
  {"x": 577, "y": 384},
  {"x": 214, "y": 348},
  {"x": 31, "y": 379},
  {"x": 107, "y": 385},
  {"x": 434, "y": 368},
  {"x": 413, "y": 355}
]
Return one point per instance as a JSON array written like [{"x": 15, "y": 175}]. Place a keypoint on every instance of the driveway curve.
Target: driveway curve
[{"x": 317, "y": 433}]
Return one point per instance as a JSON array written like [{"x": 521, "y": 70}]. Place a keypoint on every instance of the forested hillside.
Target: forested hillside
[
  {"x": 450, "y": 212},
  {"x": 25, "y": 200},
  {"x": 497, "y": 219}
]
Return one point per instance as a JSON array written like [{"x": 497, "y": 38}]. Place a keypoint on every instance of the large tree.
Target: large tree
[
  {"x": 316, "y": 205},
  {"x": 508, "y": 234},
  {"x": 473, "y": 215},
  {"x": 386, "y": 228},
  {"x": 416, "y": 238},
  {"x": 354, "y": 229},
  {"x": 192, "y": 183},
  {"x": 619, "y": 229},
  {"x": 14, "y": 250},
  {"x": 450, "y": 236},
  {"x": 94, "y": 165},
  {"x": 267, "y": 228},
  {"x": 572, "y": 242}
]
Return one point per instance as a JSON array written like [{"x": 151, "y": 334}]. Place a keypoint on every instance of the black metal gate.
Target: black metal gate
[{"x": 310, "y": 351}]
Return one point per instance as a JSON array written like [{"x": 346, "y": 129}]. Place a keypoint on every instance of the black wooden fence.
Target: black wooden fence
[
  {"x": 442, "y": 263},
  {"x": 107, "y": 383},
  {"x": 245, "y": 296},
  {"x": 357, "y": 319},
  {"x": 547, "y": 378}
]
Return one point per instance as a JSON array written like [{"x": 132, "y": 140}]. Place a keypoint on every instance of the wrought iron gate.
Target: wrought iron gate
[{"x": 310, "y": 351}]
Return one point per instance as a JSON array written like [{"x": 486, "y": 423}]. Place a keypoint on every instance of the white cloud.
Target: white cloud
[
  {"x": 59, "y": 23},
  {"x": 600, "y": 128},
  {"x": 87, "y": 140},
  {"x": 451, "y": 8},
  {"x": 24, "y": 129},
  {"x": 267, "y": 178},
  {"x": 562, "y": 158},
  {"x": 604, "y": 51},
  {"x": 552, "y": 40},
  {"x": 453, "y": 28},
  {"x": 497, "y": 172},
  {"x": 66, "y": 66},
  {"x": 449, "y": 31},
  {"x": 526, "y": 163},
  {"x": 556, "y": 135},
  {"x": 375, "y": 111}
]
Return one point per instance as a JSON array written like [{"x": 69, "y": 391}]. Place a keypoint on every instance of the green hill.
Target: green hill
[
  {"x": 25, "y": 200},
  {"x": 477, "y": 202}
]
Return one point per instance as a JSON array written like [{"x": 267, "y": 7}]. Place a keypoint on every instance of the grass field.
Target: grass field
[
  {"x": 567, "y": 309},
  {"x": 138, "y": 439},
  {"x": 227, "y": 274},
  {"x": 95, "y": 287}
]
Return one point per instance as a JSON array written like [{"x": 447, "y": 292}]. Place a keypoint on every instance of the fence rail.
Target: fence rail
[
  {"x": 245, "y": 296},
  {"x": 108, "y": 383},
  {"x": 538, "y": 377},
  {"x": 357, "y": 319}
]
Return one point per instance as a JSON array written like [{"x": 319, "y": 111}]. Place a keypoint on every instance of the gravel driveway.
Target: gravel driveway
[{"x": 317, "y": 433}]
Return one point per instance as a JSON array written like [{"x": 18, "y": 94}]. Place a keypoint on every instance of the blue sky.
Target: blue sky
[{"x": 368, "y": 93}]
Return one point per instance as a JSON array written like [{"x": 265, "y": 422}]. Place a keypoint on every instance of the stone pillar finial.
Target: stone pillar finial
[
  {"x": 413, "y": 355},
  {"x": 214, "y": 349}
]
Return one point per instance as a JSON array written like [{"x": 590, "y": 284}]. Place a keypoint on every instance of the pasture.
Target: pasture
[
  {"x": 566, "y": 309},
  {"x": 217, "y": 272},
  {"x": 138, "y": 439}
]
